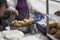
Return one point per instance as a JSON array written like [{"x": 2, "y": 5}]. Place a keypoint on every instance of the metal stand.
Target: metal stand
[
  {"x": 47, "y": 21},
  {"x": 47, "y": 11}
]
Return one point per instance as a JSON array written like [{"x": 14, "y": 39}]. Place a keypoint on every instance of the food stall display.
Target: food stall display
[
  {"x": 22, "y": 29},
  {"x": 54, "y": 28},
  {"x": 25, "y": 22},
  {"x": 53, "y": 25},
  {"x": 23, "y": 25}
]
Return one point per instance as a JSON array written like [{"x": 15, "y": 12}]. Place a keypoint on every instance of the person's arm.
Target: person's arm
[
  {"x": 14, "y": 10},
  {"x": 12, "y": 5}
]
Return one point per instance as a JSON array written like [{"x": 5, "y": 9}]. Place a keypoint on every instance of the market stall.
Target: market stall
[{"x": 33, "y": 27}]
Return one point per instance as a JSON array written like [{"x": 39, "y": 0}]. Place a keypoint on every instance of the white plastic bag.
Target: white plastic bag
[
  {"x": 30, "y": 38},
  {"x": 54, "y": 17},
  {"x": 51, "y": 17},
  {"x": 1, "y": 36},
  {"x": 12, "y": 34}
]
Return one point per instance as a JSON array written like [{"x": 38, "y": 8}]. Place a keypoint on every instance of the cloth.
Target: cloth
[{"x": 22, "y": 8}]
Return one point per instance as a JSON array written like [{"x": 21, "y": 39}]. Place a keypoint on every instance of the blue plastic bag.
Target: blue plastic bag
[{"x": 38, "y": 17}]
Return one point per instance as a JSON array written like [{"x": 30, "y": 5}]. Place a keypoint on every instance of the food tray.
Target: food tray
[{"x": 52, "y": 17}]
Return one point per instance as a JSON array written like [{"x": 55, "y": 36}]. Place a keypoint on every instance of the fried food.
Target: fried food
[
  {"x": 57, "y": 13},
  {"x": 52, "y": 31},
  {"x": 16, "y": 23},
  {"x": 52, "y": 23},
  {"x": 22, "y": 23},
  {"x": 57, "y": 34},
  {"x": 58, "y": 27}
]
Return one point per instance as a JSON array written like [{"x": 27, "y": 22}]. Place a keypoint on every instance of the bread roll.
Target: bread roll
[
  {"x": 16, "y": 23},
  {"x": 57, "y": 13},
  {"x": 31, "y": 21},
  {"x": 57, "y": 34},
  {"x": 22, "y": 23},
  {"x": 58, "y": 27},
  {"x": 13, "y": 21},
  {"x": 52, "y": 31},
  {"x": 26, "y": 21},
  {"x": 52, "y": 23}
]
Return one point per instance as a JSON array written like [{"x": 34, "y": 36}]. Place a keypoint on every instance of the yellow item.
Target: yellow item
[
  {"x": 22, "y": 23},
  {"x": 57, "y": 34}
]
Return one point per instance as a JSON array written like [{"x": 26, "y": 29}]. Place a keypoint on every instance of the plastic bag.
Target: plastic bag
[
  {"x": 54, "y": 17},
  {"x": 1, "y": 36},
  {"x": 51, "y": 17},
  {"x": 12, "y": 34},
  {"x": 30, "y": 37}
]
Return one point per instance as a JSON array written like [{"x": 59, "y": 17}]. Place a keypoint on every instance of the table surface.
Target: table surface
[{"x": 39, "y": 35}]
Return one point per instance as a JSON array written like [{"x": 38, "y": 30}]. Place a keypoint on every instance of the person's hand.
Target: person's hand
[
  {"x": 16, "y": 12},
  {"x": 43, "y": 14}
]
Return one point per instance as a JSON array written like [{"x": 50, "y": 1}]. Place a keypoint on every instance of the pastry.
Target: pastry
[
  {"x": 52, "y": 23},
  {"x": 57, "y": 34},
  {"x": 52, "y": 31},
  {"x": 58, "y": 27},
  {"x": 32, "y": 20},
  {"x": 22, "y": 23},
  {"x": 29, "y": 21},
  {"x": 15, "y": 23},
  {"x": 26, "y": 21},
  {"x": 57, "y": 13}
]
